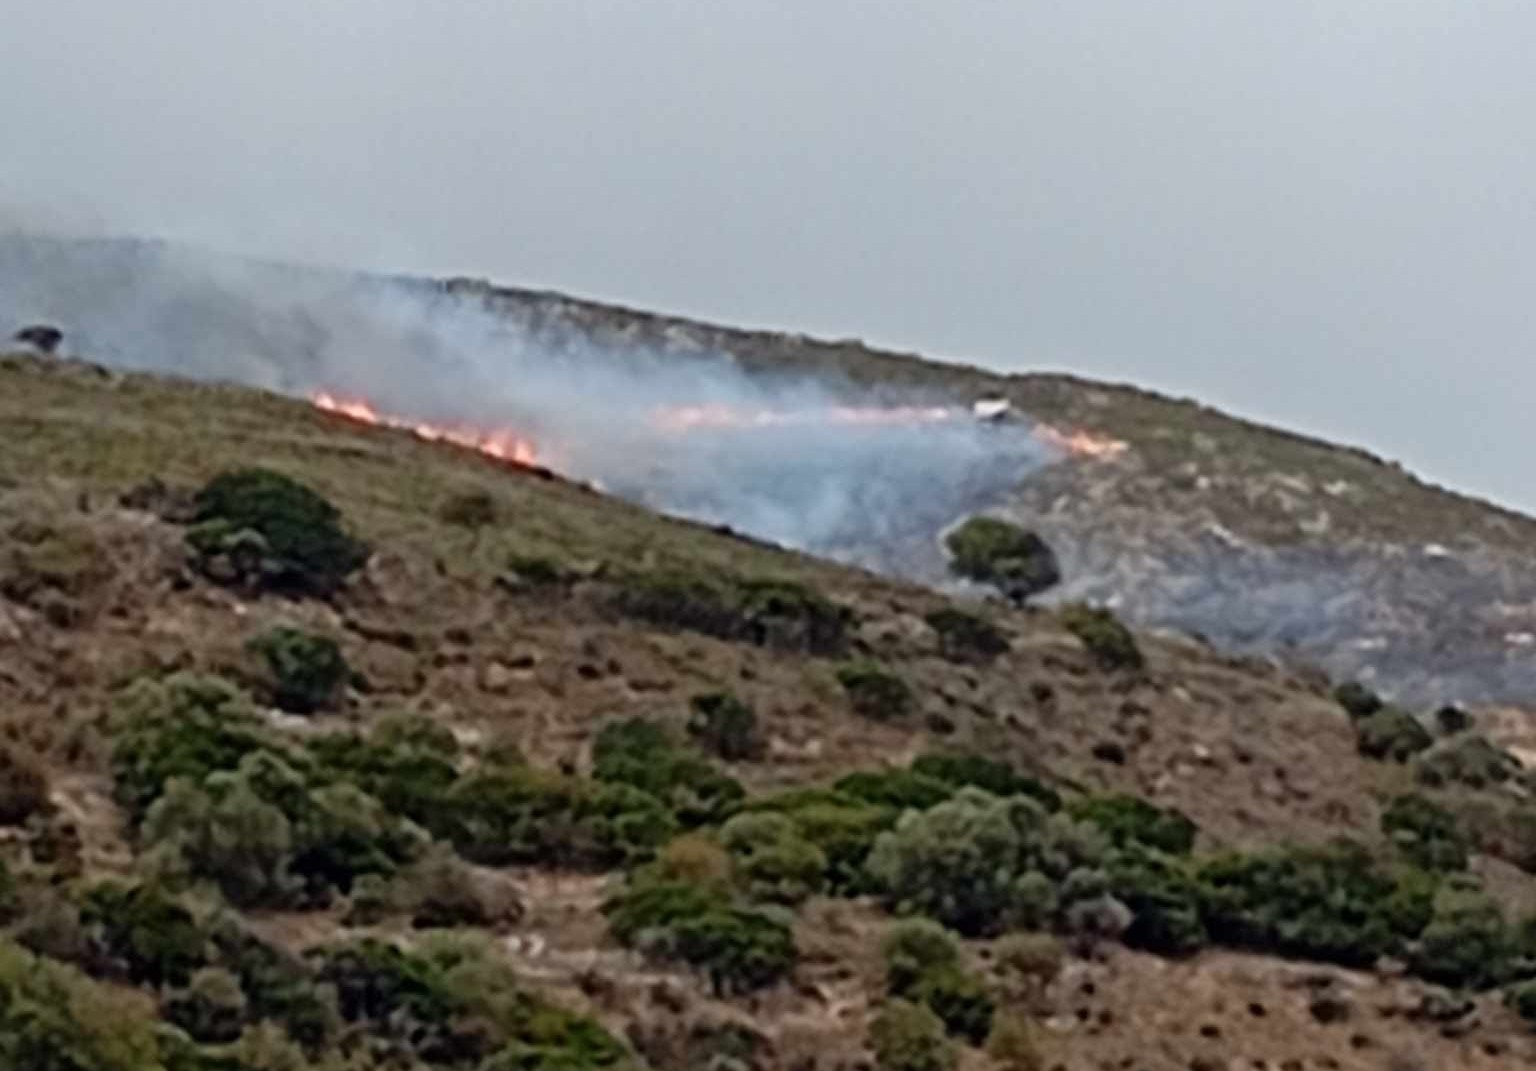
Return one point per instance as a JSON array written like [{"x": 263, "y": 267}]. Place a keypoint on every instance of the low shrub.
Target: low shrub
[
  {"x": 408, "y": 763},
  {"x": 781, "y": 614},
  {"x": 644, "y": 755},
  {"x": 1028, "y": 963},
  {"x": 726, "y": 726},
  {"x": 1333, "y": 903},
  {"x": 1467, "y": 943},
  {"x": 1469, "y": 759},
  {"x": 1452, "y": 719},
  {"x": 961, "y": 1002},
  {"x": 1012, "y": 1045},
  {"x": 1164, "y": 900},
  {"x": 439, "y": 891},
  {"x": 875, "y": 692},
  {"x": 896, "y": 789},
  {"x": 842, "y": 826},
  {"x": 265, "y": 530},
  {"x": 960, "y": 769},
  {"x": 777, "y": 863},
  {"x": 518, "y": 815},
  {"x": 43, "y": 565},
  {"x": 143, "y": 934},
  {"x": 915, "y": 948},
  {"x": 965, "y": 637},
  {"x": 991, "y": 551},
  {"x": 52, "y": 1018},
  {"x": 740, "y": 948},
  {"x": 978, "y": 863},
  {"x": 909, "y": 1037},
  {"x": 1103, "y": 636},
  {"x": 1129, "y": 820},
  {"x": 306, "y": 672},
  {"x": 1426, "y": 833},
  {"x": 211, "y": 1009},
  {"x": 184, "y": 726},
  {"x": 1522, "y": 1000},
  {"x": 23, "y": 786},
  {"x": 1391, "y": 734},
  {"x": 1357, "y": 700}
]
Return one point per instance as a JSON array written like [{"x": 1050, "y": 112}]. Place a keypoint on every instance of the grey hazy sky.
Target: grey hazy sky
[{"x": 1319, "y": 212}]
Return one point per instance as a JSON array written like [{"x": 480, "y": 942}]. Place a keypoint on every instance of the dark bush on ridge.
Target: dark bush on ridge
[
  {"x": 1469, "y": 759},
  {"x": 1357, "y": 700},
  {"x": 1103, "y": 636},
  {"x": 965, "y": 636},
  {"x": 262, "y": 529},
  {"x": 897, "y": 789},
  {"x": 307, "y": 672},
  {"x": 1392, "y": 735}
]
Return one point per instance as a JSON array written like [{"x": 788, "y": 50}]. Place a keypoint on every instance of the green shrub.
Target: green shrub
[
  {"x": 897, "y": 789},
  {"x": 211, "y": 1009},
  {"x": 874, "y": 691},
  {"x": 269, "y": 837},
  {"x": 961, "y": 1002},
  {"x": 1103, "y": 636},
  {"x": 1466, "y": 944},
  {"x": 1425, "y": 832},
  {"x": 1452, "y": 719},
  {"x": 1333, "y": 903},
  {"x": 23, "y": 786},
  {"x": 914, "y": 949},
  {"x": 510, "y": 815},
  {"x": 842, "y": 826},
  {"x": 140, "y": 932},
  {"x": 726, "y": 726},
  {"x": 991, "y": 551},
  {"x": 978, "y": 863},
  {"x": 52, "y": 1018},
  {"x": 1391, "y": 734},
  {"x": 408, "y": 763},
  {"x": 184, "y": 726},
  {"x": 779, "y": 865},
  {"x": 1164, "y": 900},
  {"x": 264, "y": 529},
  {"x": 1522, "y": 1000},
  {"x": 1469, "y": 759},
  {"x": 1129, "y": 820},
  {"x": 740, "y": 948},
  {"x": 307, "y": 672},
  {"x": 960, "y": 769},
  {"x": 910, "y": 1037},
  {"x": 1357, "y": 700},
  {"x": 1012, "y": 1046},
  {"x": 781, "y": 614},
  {"x": 1029, "y": 962},
  {"x": 966, "y": 637},
  {"x": 440, "y": 891},
  {"x": 643, "y": 755}
]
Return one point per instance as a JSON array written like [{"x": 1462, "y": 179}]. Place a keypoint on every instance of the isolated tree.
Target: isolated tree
[{"x": 1014, "y": 560}]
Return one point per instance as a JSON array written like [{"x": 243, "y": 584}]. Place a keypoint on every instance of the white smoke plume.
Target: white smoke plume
[{"x": 792, "y": 465}]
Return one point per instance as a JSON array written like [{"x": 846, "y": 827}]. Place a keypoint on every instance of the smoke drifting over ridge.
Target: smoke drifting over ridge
[{"x": 788, "y": 459}]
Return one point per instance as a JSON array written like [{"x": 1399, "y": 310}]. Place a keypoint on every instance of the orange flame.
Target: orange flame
[
  {"x": 507, "y": 446},
  {"x": 501, "y": 445}
]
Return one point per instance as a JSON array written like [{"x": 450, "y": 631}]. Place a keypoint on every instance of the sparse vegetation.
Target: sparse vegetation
[
  {"x": 23, "y": 786},
  {"x": 991, "y": 551},
  {"x": 265, "y": 530},
  {"x": 1103, "y": 636},
  {"x": 474, "y": 510},
  {"x": 306, "y": 672},
  {"x": 874, "y": 691}
]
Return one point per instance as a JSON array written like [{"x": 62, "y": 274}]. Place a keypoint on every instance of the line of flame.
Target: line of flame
[{"x": 502, "y": 445}]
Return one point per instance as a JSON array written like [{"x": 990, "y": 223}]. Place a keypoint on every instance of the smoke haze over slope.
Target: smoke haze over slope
[{"x": 798, "y": 472}]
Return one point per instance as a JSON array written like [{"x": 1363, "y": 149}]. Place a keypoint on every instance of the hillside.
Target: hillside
[
  {"x": 1260, "y": 539},
  {"x": 202, "y": 856}
]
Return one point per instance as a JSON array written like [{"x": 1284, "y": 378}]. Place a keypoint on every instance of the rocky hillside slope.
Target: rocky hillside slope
[
  {"x": 390, "y": 755},
  {"x": 1260, "y": 539}
]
